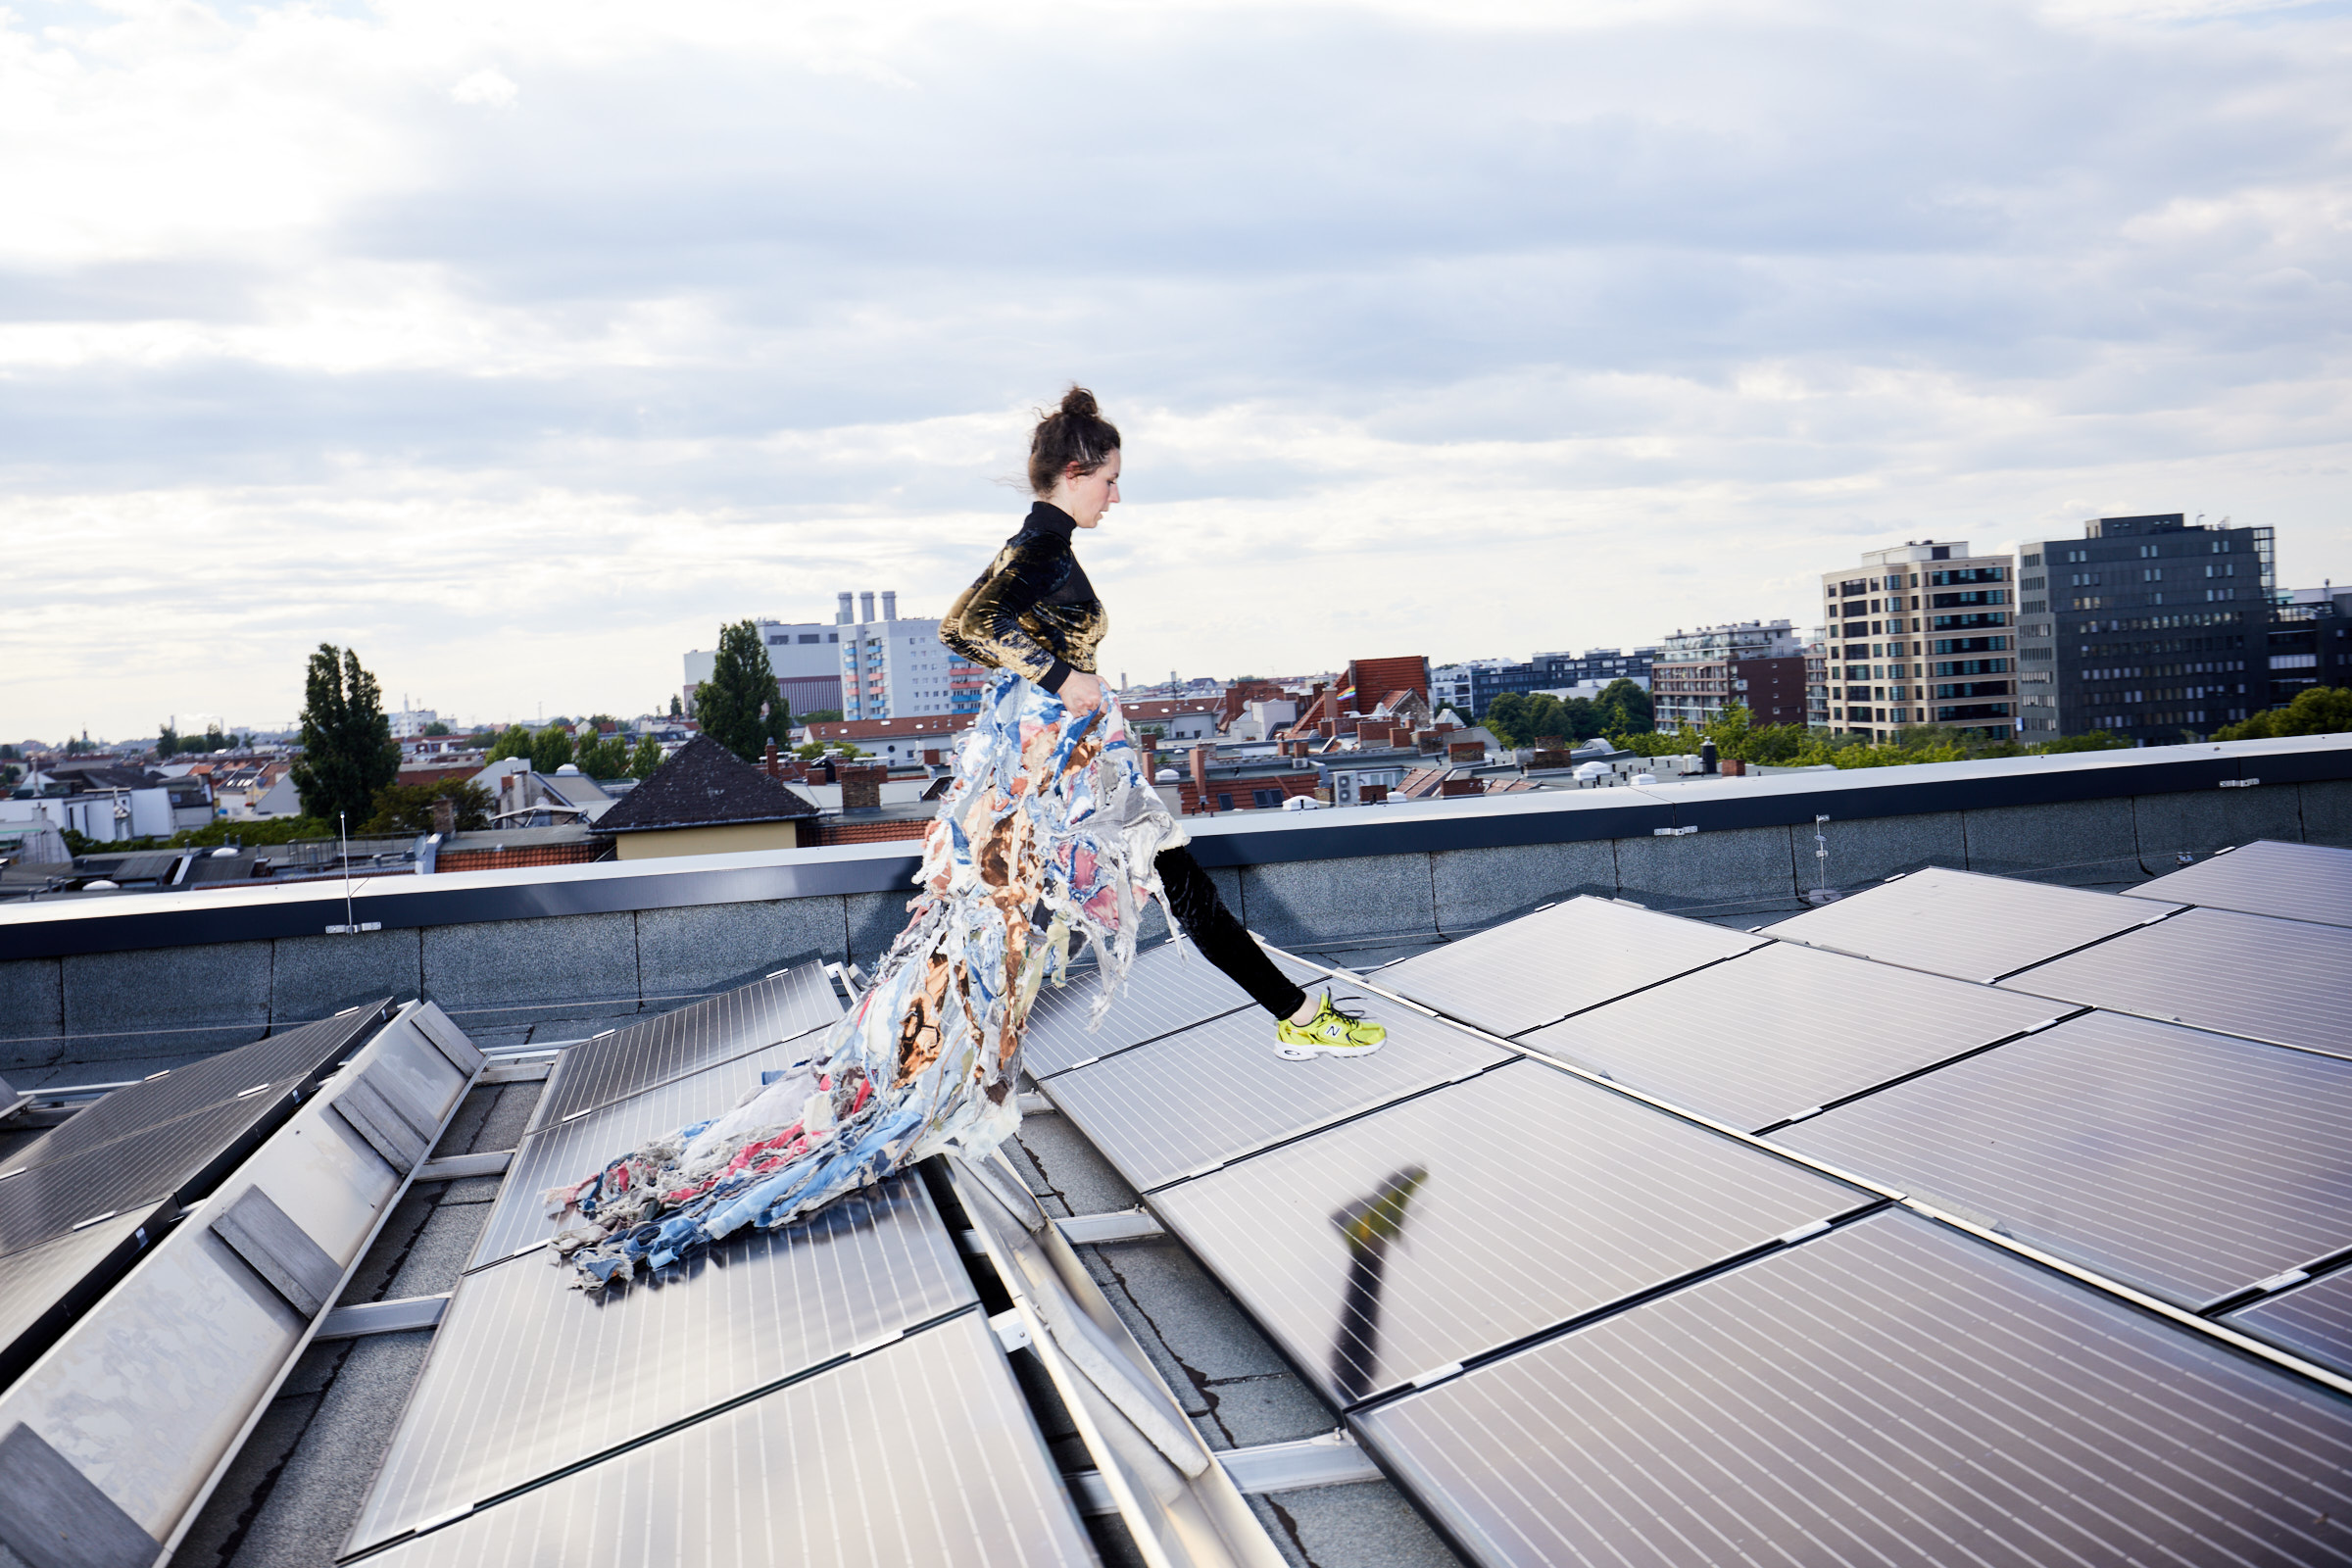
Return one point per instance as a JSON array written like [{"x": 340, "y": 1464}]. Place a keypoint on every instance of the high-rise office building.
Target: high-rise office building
[
  {"x": 2151, "y": 628},
  {"x": 897, "y": 667},
  {"x": 1921, "y": 633}
]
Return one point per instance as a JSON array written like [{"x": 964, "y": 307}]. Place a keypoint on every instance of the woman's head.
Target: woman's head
[{"x": 1074, "y": 458}]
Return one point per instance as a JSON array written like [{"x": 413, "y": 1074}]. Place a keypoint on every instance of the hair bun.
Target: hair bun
[{"x": 1079, "y": 403}]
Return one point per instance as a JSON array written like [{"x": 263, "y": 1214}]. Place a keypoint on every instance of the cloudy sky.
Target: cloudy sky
[{"x": 521, "y": 344}]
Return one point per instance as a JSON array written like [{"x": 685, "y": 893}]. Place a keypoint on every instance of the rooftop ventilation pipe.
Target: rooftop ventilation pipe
[
  {"x": 841, "y": 616},
  {"x": 890, "y": 607},
  {"x": 1706, "y": 757},
  {"x": 865, "y": 607}
]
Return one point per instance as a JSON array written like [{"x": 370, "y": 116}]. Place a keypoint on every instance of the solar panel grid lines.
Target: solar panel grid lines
[
  {"x": 43, "y": 1284},
  {"x": 578, "y": 1146},
  {"x": 296, "y": 1055},
  {"x": 2184, "y": 1163},
  {"x": 1168, "y": 988},
  {"x": 528, "y": 1377},
  {"x": 1558, "y": 961},
  {"x": 922, "y": 1453},
  {"x": 2252, "y": 975},
  {"x": 1444, "y": 1228},
  {"x": 1782, "y": 1030},
  {"x": 2293, "y": 881},
  {"x": 2312, "y": 1319},
  {"x": 1210, "y": 1094},
  {"x": 171, "y": 1162},
  {"x": 1890, "y": 1393},
  {"x": 610, "y": 1066},
  {"x": 1966, "y": 925}
]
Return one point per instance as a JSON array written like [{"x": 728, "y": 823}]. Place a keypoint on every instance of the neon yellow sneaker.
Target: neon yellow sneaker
[{"x": 1333, "y": 1032}]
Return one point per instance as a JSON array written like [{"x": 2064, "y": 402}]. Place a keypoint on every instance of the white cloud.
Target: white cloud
[{"x": 1501, "y": 328}]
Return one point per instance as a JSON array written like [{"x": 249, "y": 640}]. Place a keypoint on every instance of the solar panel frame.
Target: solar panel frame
[
  {"x": 1544, "y": 1197},
  {"x": 2185, "y": 1163},
  {"x": 1966, "y": 925},
  {"x": 529, "y": 1377},
  {"x": 1891, "y": 1392},
  {"x": 298, "y": 1055},
  {"x": 1596, "y": 950},
  {"x": 923, "y": 1452},
  {"x": 2253, "y": 975},
  {"x": 2313, "y": 1320},
  {"x": 578, "y": 1146},
  {"x": 173, "y": 1162},
  {"x": 1771, "y": 1035},
  {"x": 42, "y": 1287},
  {"x": 625, "y": 1062},
  {"x": 1168, "y": 988},
  {"x": 2269, "y": 876},
  {"x": 1182, "y": 1105}
]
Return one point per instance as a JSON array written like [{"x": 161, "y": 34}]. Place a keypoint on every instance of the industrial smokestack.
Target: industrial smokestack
[
  {"x": 841, "y": 616},
  {"x": 890, "y": 607},
  {"x": 865, "y": 607}
]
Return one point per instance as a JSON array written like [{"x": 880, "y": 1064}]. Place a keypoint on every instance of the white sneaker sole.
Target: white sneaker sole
[{"x": 1290, "y": 1053}]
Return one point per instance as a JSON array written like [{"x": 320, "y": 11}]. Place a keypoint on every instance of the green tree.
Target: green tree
[
  {"x": 739, "y": 706},
  {"x": 550, "y": 748},
  {"x": 677, "y": 709},
  {"x": 606, "y": 756},
  {"x": 402, "y": 809},
  {"x": 512, "y": 741},
  {"x": 167, "y": 742},
  {"x": 436, "y": 727},
  {"x": 347, "y": 748},
  {"x": 1625, "y": 708},
  {"x": 646, "y": 757},
  {"x": 2316, "y": 711}
]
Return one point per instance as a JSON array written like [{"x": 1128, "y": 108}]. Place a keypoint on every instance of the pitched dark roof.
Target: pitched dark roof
[{"x": 705, "y": 785}]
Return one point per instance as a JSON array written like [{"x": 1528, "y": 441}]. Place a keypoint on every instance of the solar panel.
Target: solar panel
[
  {"x": 529, "y": 1376},
  {"x": 1964, "y": 924},
  {"x": 922, "y": 1452},
  {"x": 1541, "y": 967},
  {"x": 2294, "y": 881},
  {"x": 2313, "y": 1320},
  {"x": 1188, "y": 1103},
  {"x": 599, "y": 1071},
  {"x": 2190, "y": 1164},
  {"x": 1891, "y": 1392},
  {"x": 171, "y": 1164},
  {"x": 1782, "y": 1031},
  {"x": 578, "y": 1146},
  {"x": 44, "y": 1287},
  {"x": 1169, "y": 987},
  {"x": 297, "y": 1056},
  {"x": 2241, "y": 974},
  {"x": 1427, "y": 1234}
]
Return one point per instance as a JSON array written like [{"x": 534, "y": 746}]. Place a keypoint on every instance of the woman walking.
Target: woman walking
[{"x": 1048, "y": 836}]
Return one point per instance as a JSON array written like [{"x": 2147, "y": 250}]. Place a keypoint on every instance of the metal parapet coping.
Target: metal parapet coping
[{"x": 1182, "y": 1508}]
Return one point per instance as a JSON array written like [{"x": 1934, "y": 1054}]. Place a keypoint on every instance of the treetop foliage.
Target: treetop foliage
[
  {"x": 2318, "y": 711},
  {"x": 348, "y": 752},
  {"x": 403, "y": 809},
  {"x": 739, "y": 706}
]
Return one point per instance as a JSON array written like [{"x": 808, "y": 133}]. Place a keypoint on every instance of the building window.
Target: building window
[
  {"x": 1224, "y": 801},
  {"x": 1265, "y": 798}
]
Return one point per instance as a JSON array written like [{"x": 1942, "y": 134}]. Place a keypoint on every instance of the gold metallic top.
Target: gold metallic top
[{"x": 1032, "y": 611}]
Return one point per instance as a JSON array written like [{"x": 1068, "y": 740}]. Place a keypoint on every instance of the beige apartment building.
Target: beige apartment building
[{"x": 1921, "y": 633}]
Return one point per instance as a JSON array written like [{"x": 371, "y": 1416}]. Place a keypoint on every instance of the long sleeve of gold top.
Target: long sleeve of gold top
[{"x": 1032, "y": 611}]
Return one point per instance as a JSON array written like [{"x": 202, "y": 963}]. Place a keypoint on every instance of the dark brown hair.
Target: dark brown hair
[{"x": 1076, "y": 432}]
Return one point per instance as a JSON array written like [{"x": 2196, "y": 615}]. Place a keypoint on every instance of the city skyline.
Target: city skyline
[{"x": 522, "y": 348}]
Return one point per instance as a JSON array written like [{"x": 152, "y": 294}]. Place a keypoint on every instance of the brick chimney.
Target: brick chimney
[
  {"x": 1201, "y": 777},
  {"x": 861, "y": 788},
  {"x": 773, "y": 771}
]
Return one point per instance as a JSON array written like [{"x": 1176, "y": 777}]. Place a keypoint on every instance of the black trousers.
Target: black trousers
[{"x": 1220, "y": 937}]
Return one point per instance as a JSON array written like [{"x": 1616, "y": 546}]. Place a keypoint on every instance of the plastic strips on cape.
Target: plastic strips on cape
[{"x": 1046, "y": 838}]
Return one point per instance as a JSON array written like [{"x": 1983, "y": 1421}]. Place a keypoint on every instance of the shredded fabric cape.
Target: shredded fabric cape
[{"x": 1046, "y": 836}]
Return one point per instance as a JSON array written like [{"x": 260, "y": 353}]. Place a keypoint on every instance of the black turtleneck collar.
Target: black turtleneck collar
[{"x": 1046, "y": 518}]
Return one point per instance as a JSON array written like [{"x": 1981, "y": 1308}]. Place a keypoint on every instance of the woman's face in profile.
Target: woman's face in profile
[{"x": 1087, "y": 495}]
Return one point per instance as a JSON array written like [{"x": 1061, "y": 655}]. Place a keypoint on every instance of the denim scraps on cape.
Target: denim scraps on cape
[{"x": 1046, "y": 835}]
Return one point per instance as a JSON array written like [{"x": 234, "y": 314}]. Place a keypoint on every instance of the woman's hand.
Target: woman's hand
[{"x": 1080, "y": 691}]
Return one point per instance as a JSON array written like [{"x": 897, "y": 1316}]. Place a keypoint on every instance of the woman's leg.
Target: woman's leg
[{"x": 1220, "y": 937}]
